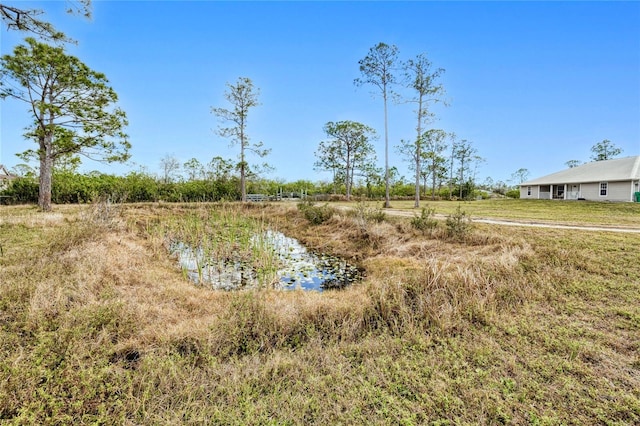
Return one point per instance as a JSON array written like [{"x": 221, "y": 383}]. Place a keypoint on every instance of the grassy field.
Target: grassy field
[
  {"x": 566, "y": 212},
  {"x": 499, "y": 325}
]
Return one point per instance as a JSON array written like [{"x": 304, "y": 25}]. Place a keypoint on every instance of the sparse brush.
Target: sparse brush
[
  {"x": 426, "y": 222},
  {"x": 365, "y": 219},
  {"x": 366, "y": 214},
  {"x": 103, "y": 212},
  {"x": 316, "y": 214},
  {"x": 458, "y": 224}
]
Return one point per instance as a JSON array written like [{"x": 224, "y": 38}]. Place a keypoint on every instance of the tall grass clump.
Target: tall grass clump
[
  {"x": 439, "y": 298},
  {"x": 220, "y": 237}
]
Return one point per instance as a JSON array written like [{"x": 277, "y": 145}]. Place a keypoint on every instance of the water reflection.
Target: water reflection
[{"x": 299, "y": 268}]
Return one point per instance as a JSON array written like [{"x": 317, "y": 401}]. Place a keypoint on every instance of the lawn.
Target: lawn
[{"x": 566, "y": 212}]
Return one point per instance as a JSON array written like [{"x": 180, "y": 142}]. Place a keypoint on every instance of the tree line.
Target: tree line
[{"x": 70, "y": 186}]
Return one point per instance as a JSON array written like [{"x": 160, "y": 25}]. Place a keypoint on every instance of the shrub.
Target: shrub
[
  {"x": 513, "y": 193},
  {"x": 426, "y": 222},
  {"x": 458, "y": 224},
  {"x": 21, "y": 190},
  {"x": 368, "y": 214},
  {"x": 316, "y": 214}
]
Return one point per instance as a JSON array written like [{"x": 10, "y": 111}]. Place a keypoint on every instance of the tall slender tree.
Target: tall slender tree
[
  {"x": 432, "y": 163},
  {"x": 520, "y": 175},
  {"x": 72, "y": 106},
  {"x": 219, "y": 168},
  {"x": 169, "y": 166},
  {"x": 454, "y": 147},
  {"x": 242, "y": 96},
  {"x": 327, "y": 154},
  {"x": 422, "y": 78},
  {"x": 194, "y": 169},
  {"x": 377, "y": 69}
]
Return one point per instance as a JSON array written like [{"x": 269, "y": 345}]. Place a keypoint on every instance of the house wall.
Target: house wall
[
  {"x": 534, "y": 192},
  {"x": 4, "y": 182},
  {"x": 590, "y": 191},
  {"x": 620, "y": 191},
  {"x": 617, "y": 191}
]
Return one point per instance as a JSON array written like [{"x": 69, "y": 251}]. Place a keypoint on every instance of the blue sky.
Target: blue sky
[{"x": 530, "y": 84}]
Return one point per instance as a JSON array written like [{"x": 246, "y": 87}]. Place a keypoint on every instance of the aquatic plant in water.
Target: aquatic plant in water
[
  {"x": 309, "y": 271},
  {"x": 223, "y": 249},
  {"x": 297, "y": 268}
]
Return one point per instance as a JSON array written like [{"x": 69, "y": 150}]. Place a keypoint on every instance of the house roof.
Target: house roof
[
  {"x": 4, "y": 173},
  {"x": 618, "y": 169}
]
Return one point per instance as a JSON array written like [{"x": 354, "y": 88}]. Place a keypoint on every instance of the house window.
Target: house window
[
  {"x": 604, "y": 186},
  {"x": 528, "y": 191}
]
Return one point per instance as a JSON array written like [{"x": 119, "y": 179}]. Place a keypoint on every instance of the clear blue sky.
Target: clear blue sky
[{"x": 530, "y": 84}]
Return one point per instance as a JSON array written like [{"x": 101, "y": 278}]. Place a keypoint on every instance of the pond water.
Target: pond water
[{"x": 300, "y": 268}]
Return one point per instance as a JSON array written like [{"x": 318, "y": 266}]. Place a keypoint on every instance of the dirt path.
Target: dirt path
[{"x": 528, "y": 223}]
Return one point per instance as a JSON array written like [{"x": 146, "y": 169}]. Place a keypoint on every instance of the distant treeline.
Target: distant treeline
[
  {"x": 134, "y": 187},
  {"x": 72, "y": 187}
]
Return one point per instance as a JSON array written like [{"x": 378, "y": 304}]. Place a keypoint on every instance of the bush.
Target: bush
[
  {"x": 21, "y": 190},
  {"x": 368, "y": 214},
  {"x": 316, "y": 214},
  {"x": 458, "y": 224},
  {"x": 426, "y": 222},
  {"x": 513, "y": 193}
]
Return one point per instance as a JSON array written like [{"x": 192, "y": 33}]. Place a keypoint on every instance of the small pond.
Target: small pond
[{"x": 299, "y": 268}]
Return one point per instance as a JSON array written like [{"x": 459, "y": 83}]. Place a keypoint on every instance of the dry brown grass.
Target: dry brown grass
[
  {"x": 418, "y": 281},
  {"x": 98, "y": 325}
]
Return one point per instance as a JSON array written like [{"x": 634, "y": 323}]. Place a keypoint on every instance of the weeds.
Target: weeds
[
  {"x": 220, "y": 245},
  {"x": 103, "y": 212}
]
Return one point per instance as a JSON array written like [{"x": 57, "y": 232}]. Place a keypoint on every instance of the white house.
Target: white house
[
  {"x": 607, "y": 180},
  {"x": 5, "y": 177}
]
